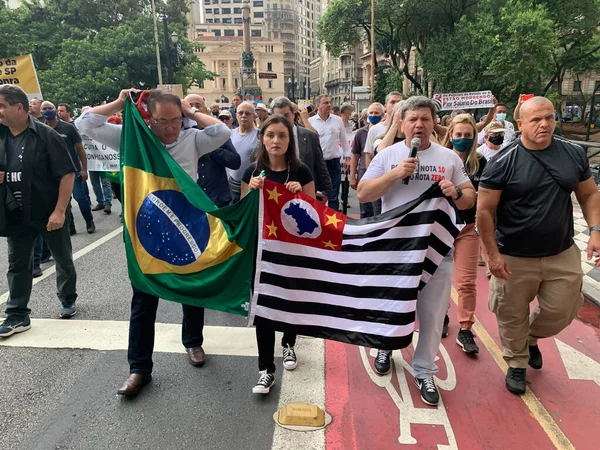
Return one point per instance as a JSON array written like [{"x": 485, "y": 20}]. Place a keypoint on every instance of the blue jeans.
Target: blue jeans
[
  {"x": 102, "y": 188},
  {"x": 141, "y": 330},
  {"x": 366, "y": 210},
  {"x": 81, "y": 194},
  {"x": 335, "y": 173}
]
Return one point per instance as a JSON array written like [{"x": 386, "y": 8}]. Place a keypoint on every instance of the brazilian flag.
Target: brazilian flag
[{"x": 179, "y": 245}]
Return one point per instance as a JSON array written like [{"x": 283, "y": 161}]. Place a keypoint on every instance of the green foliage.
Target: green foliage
[
  {"x": 387, "y": 79},
  {"x": 86, "y": 51}
]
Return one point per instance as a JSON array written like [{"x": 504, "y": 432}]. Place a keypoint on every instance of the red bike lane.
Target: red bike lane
[{"x": 476, "y": 411}]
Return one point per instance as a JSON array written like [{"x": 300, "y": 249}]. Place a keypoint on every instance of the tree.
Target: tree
[{"x": 86, "y": 51}]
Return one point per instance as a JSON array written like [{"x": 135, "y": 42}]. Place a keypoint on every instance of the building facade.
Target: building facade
[{"x": 222, "y": 55}]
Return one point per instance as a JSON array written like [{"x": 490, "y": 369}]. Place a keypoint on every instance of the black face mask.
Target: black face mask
[{"x": 496, "y": 140}]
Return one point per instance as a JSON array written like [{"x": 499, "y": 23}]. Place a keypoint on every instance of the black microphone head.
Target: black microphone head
[{"x": 415, "y": 142}]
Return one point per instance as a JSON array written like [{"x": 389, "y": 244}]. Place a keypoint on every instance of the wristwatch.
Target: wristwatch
[
  {"x": 459, "y": 194},
  {"x": 596, "y": 228},
  {"x": 194, "y": 111}
]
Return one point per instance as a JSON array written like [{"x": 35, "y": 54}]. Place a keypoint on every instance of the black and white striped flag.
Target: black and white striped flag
[{"x": 366, "y": 292}]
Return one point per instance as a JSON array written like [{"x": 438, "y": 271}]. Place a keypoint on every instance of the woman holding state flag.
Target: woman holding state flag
[{"x": 277, "y": 157}]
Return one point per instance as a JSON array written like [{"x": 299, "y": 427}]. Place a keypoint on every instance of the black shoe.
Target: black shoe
[
  {"x": 10, "y": 327},
  {"x": 98, "y": 207},
  {"x": 46, "y": 258},
  {"x": 515, "y": 380},
  {"x": 445, "y": 326},
  {"x": 91, "y": 227},
  {"x": 265, "y": 382},
  {"x": 37, "y": 272},
  {"x": 383, "y": 362},
  {"x": 466, "y": 340},
  {"x": 107, "y": 209},
  {"x": 535, "y": 357},
  {"x": 429, "y": 391}
]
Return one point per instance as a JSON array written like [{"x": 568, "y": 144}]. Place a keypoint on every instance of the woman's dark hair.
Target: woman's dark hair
[{"x": 262, "y": 156}]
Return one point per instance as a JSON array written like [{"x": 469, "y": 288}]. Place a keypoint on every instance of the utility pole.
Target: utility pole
[
  {"x": 168, "y": 51},
  {"x": 372, "y": 51},
  {"x": 156, "y": 44},
  {"x": 293, "y": 87}
]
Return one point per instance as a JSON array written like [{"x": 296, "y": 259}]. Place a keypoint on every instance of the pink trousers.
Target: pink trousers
[{"x": 466, "y": 260}]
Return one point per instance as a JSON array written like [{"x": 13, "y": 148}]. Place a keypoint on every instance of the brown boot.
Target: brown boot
[
  {"x": 196, "y": 356},
  {"x": 132, "y": 385}
]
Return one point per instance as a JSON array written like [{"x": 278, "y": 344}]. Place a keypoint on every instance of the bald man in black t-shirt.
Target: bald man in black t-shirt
[{"x": 525, "y": 219}]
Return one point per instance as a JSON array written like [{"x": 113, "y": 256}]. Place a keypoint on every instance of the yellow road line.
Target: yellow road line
[{"x": 537, "y": 409}]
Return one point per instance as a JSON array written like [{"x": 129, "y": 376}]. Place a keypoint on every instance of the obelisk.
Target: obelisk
[{"x": 249, "y": 83}]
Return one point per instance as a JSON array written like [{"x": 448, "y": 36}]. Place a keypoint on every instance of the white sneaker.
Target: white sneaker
[
  {"x": 290, "y": 362},
  {"x": 264, "y": 383}
]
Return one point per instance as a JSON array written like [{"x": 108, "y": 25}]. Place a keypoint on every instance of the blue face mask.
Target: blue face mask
[
  {"x": 374, "y": 120},
  {"x": 49, "y": 114},
  {"x": 463, "y": 144},
  {"x": 501, "y": 117}
]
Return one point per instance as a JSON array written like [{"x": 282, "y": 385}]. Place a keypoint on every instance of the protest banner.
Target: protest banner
[
  {"x": 464, "y": 100},
  {"x": 100, "y": 157},
  {"x": 20, "y": 71}
]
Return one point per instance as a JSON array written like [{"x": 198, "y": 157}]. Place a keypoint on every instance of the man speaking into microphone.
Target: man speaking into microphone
[{"x": 384, "y": 179}]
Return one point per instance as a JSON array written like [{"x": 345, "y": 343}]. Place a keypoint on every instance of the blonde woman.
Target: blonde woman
[{"x": 462, "y": 138}]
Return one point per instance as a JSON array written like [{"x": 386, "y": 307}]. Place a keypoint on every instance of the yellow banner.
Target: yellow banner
[{"x": 20, "y": 71}]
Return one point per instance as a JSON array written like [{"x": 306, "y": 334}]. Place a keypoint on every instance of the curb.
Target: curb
[{"x": 591, "y": 294}]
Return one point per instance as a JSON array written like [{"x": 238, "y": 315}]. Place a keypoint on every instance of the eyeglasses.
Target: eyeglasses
[
  {"x": 224, "y": 118},
  {"x": 245, "y": 113},
  {"x": 163, "y": 123}
]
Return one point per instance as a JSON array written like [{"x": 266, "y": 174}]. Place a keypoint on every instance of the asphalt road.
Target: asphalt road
[{"x": 65, "y": 397}]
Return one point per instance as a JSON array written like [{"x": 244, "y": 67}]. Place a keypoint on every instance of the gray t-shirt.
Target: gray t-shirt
[
  {"x": 245, "y": 145},
  {"x": 14, "y": 163}
]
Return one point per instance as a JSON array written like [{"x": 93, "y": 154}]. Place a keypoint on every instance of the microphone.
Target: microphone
[{"x": 415, "y": 143}]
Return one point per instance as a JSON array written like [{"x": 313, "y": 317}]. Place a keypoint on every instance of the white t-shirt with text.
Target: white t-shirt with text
[{"x": 437, "y": 163}]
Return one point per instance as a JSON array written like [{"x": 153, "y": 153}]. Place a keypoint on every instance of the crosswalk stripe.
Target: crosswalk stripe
[{"x": 113, "y": 335}]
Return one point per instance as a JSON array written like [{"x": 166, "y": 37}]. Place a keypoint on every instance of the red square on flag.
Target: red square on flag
[{"x": 299, "y": 219}]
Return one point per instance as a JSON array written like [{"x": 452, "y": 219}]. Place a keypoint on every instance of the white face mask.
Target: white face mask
[{"x": 500, "y": 117}]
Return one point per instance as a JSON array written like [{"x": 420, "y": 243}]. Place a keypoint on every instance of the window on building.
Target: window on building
[
  {"x": 226, "y": 10},
  {"x": 225, "y": 1},
  {"x": 577, "y": 85},
  {"x": 217, "y": 20},
  {"x": 226, "y": 19},
  {"x": 215, "y": 2},
  {"x": 270, "y": 67},
  {"x": 223, "y": 83},
  {"x": 270, "y": 84},
  {"x": 207, "y": 2},
  {"x": 257, "y": 4},
  {"x": 209, "y": 21},
  {"x": 240, "y": 32},
  {"x": 597, "y": 85},
  {"x": 259, "y": 15},
  {"x": 208, "y": 10},
  {"x": 238, "y": 20},
  {"x": 228, "y": 33},
  {"x": 237, "y": 10},
  {"x": 236, "y": 83},
  {"x": 217, "y": 32},
  {"x": 256, "y": 33},
  {"x": 216, "y": 11}
]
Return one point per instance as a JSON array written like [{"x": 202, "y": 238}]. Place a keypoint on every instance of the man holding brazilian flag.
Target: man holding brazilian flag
[{"x": 179, "y": 245}]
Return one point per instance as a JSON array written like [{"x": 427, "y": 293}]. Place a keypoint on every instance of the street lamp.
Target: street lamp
[{"x": 168, "y": 49}]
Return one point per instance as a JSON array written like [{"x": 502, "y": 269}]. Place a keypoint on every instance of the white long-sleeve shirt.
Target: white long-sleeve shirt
[
  {"x": 190, "y": 146},
  {"x": 332, "y": 133}
]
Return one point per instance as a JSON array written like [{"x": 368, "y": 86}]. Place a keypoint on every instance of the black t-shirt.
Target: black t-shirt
[
  {"x": 14, "y": 163},
  {"x": 71, "y": 136},
  {"x": 535, "y": 215},
  {"x": 302, "y": 175},
  {"x": 468, "y": 215}
]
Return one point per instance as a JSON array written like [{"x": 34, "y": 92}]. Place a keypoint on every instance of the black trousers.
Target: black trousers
[
  {"x": 141, "y": 330},
  {"x": 265, "y": 339}
]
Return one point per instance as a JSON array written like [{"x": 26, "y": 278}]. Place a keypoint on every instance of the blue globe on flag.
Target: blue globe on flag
[
  {"x": 171, "y": 229},
  {"x": 300, "y": 219}
]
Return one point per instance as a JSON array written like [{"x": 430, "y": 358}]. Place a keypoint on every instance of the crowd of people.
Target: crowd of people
[{"x": 512, "y": 190}]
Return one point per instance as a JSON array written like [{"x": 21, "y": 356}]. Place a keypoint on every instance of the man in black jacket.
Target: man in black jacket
[
  {"x": 308, "y": 146},
  {"x": 39, "y": 172}
]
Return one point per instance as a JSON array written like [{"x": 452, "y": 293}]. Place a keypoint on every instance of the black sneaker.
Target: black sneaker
[
  {"x": 535, "y": 357},
  {"x": 91, "y": 227},
  {"x": 445, "y": 326},
  {"x": 515, "y": 380},
  {"x": 98, "y": 207},
  {"x": 265, "y": 383},
  {"x": 383, "y": 362},
  {"x": 37, "y": 272},
  {"x": 67, "y": 311},
  {"x": 107, "y": 209},
  {"x": 290, "y": 362},
  {"x": 466, "y": 340},
  {"x": 10, "y": 327},
  {"x": 429, "y": 391}
]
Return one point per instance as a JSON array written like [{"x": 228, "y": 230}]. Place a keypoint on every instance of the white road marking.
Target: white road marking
[
  {"x": 84, "y": 251},
  {"x": 113, "y": 335},
  {"x": 306, "y": 384},
  {"x": 578, "y": 365}
]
